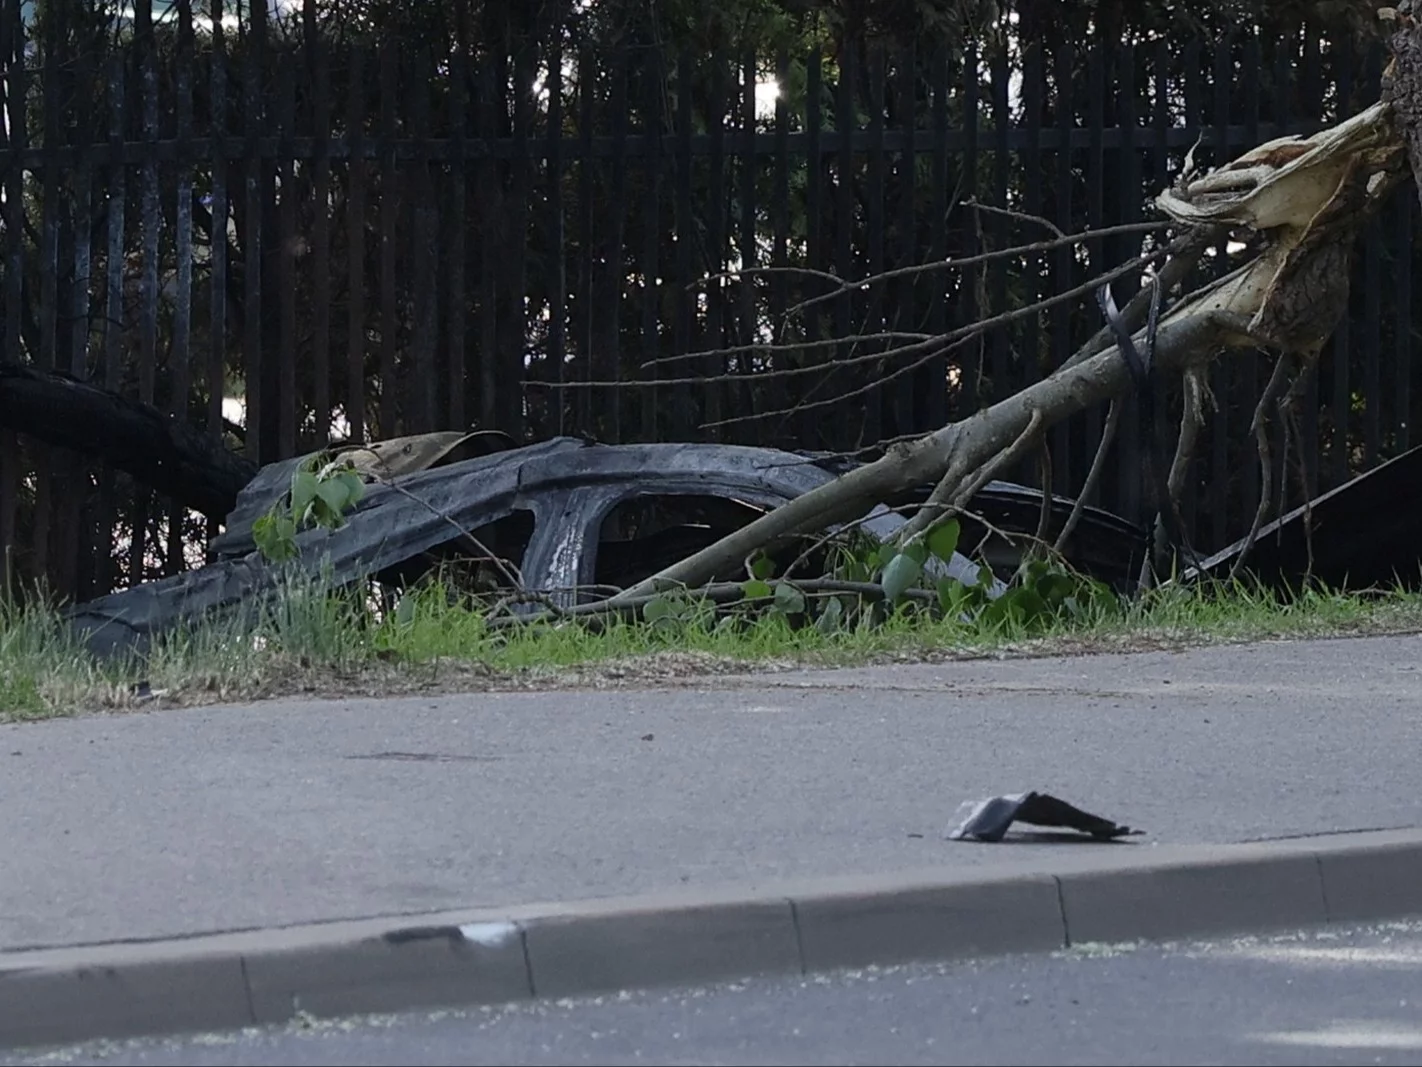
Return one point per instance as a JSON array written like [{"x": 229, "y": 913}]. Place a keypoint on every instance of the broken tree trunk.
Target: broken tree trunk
[
  {"x": 173, "y": 458},
  {"x": 1306, "y": 199}
]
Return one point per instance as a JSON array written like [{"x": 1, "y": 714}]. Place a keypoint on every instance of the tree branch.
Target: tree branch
[{"x": 194, "y": 468}]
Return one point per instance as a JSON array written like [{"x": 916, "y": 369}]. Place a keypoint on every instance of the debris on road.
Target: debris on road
[{"x": 988, "y": 820}]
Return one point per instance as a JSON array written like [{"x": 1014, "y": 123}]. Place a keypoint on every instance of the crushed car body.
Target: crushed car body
[{"x": 573, "y": 517}]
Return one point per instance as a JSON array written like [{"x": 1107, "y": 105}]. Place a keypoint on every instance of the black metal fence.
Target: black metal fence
[{"x": 286, "y": 240}]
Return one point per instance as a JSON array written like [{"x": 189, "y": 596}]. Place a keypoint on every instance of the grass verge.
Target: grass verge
[{"x": 314, "y": 641}]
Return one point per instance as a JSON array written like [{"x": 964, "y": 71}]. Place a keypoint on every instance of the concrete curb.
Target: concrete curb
[{"x": 496, "y": 955}]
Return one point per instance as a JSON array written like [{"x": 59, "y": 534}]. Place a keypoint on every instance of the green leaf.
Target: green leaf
[
  {"x": 886, "y": 554},
  {"x": 831, "y": 618},
  {"x": 916, "y": 550},
  {"x": 903, "y": 570},
  {"x": 855, "y": 570},
  {"x": 275, "y": 536},
  {"x": 336, "y": 496},
  {"x": 952, "y": 595},
  {"x": 304, "y": 487},
  {"x": 789, "y": 599},
  {"x": 943, "y": 539},
  {"x": 355, "y": 488},
  {"x": 660, "y": 607},
  {"x": 1031, "y": 608},
  {"x": 756, "y": 589},
  {"x": 762, "y": 567}
]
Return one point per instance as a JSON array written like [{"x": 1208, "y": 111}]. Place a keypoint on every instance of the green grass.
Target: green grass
[{"x": 312, "y": 640}]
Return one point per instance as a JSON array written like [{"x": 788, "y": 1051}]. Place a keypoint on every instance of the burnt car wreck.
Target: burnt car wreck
[{"x": 572, "y": 518}]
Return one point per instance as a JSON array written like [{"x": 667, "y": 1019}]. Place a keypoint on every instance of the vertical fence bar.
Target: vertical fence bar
[
  {"x": 389, "y": 228},
  {"x": 844, "y": 125},
  {"x": 18, "y": 138},
  {"x": 651, "y": 240},
  {"x": 557, "y": 256},
  {"x": 113, "y": 304},
  {"x": 587, "y": 233},
  {"x": 912, "y": 385},
  {"x": 78, "y": 534},
  {"x": 969, "y": 357},
  {"x": 150, "y": 229},
  {"x": 455, "y": 340},
  {"x": 746, "y": 395},
  {"x": 1095, "y": 215},
  {"x": 609, "y": 364},
  {"x": 1312, "y": 96},
  {"x": 288, "y": 396},
  {"x": 1372, "y": 307},
  {"x": 50, "y": 92},
  {"x": 870, "y": 319},
  {"x": 254, "y": 359},
  {"x": 217, "y": 231},
  {"x": 355, "y": 247},
  {"x": 12, "y": 50},
  {"x": 935, "y": 410},
  {"x": 1221, "y": 487},
  {"x": 715, "y": 365},
  {"x": 47, "y": 465},
  {"x": 876, "y": 400},
  {"x": 1342, "y": 339},
  {"x": 1030, "y": 165},
  {"x": 1130, "y": 498},
  {"x": 320, "y": 124},
  {"x": 776, "y": 393},
  {"x": 1403, "y": 226},
  {"x": 1006, "y": 378},
  {"x": 420, "y": 376},
  {"x": 809, "y": 434},
  {"x": 1000, "y": 342},
  {"x": 1061, "y": 272},
  {"x": 179, "y": 360},
  {"x": 515, "y": 331},
  {"x": 683, "y": 423},
  {"x": 490, "y": 223}
]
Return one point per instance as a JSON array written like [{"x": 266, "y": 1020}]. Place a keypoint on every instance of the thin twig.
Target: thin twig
[
  {"x": 951, "y": 340},
  {"x": 974, "y": 260},
  {"x": 1020, "y": 216},
  {"x": 509, "y": 572},
  {"x": 1259, "y": 425},
  {"x": 1093, "y": 476},
  {"x": 825, "y": 539},
  {"x": 949, "y": 495},
  {"x": 1004, "y": 460},
  {"x": 1044, "y": 518},
  {"x": 1192, "y": 418},
  {"x": 716, "y": 592},
  {"x": 933, "y": 345},
  {"x": 779, "y": 346}
]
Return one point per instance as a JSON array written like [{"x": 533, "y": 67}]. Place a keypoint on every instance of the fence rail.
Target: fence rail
[{"x": 282, "y": 240}]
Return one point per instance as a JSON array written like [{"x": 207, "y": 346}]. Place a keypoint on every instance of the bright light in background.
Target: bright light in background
[
  {"x": 234, "y": 410},
  {"x": 766, "y": 93}
]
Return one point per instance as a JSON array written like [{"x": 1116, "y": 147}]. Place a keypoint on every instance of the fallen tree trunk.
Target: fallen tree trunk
[
  {"x": 957, "y": 450},
  {"x": 170, "y": 456},
  {"x": 1306, "y": 197}
]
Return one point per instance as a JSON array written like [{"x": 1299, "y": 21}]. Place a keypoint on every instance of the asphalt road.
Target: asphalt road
[
  {"x": 1337, "y": 997},
  {"x": 183, "y": 821}
]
